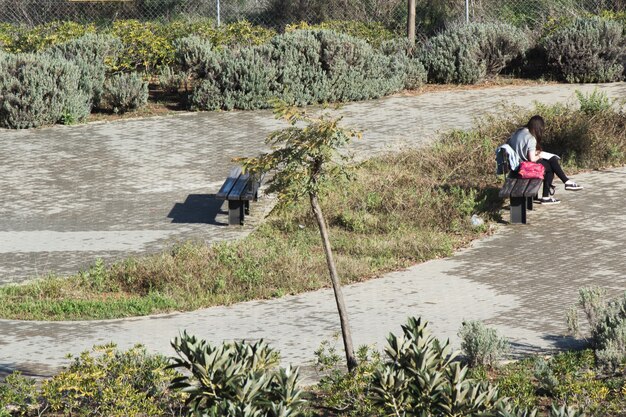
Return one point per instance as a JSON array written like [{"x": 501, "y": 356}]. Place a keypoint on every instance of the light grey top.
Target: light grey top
[{"x": 522, "y": 142}]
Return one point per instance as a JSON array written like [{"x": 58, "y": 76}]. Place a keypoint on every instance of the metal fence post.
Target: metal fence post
[
  {"x": 466, "y": 11},
  {"x": 218, "y": 13}
]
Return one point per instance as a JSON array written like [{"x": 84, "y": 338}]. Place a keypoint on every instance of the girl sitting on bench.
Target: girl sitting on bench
[{"x": 526, "y": 142}]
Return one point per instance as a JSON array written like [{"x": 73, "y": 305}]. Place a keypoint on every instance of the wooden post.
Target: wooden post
[{"x": 410, "y": 27}]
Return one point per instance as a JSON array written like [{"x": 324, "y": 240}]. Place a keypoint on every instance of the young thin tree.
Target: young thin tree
[{"x": 304, "y": 158}]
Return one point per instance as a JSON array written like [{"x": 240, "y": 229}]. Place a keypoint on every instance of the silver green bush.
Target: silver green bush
[
  {"x": 467, "y": 54},
  {"x": 196, "y": 56},
  {"x": 124, "y": 92},
  {"x": 302, "y": 67},
  {"x": 607, "y": 325},
  {"x": 235, "y": 380},
  {"x": 588, "y": 50},
  {"x": 482, "y": 345},
  {"x": 36, "y": 89},
  {"x": 90, "y": 54}
]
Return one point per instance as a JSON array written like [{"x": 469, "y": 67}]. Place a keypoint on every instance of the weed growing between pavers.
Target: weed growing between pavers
[{"x": 402, "y": 209}]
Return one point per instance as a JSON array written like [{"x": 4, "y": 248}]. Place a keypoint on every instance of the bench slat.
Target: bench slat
[
  {"x": 252, "y": 188},
  {"x": 226, "y": 188},
  {"x": 239, "y": 187},
  {"x": 533, "y": 188},
  {"x": 507, "y": 188},
  {"x": 520, "y": 187}
]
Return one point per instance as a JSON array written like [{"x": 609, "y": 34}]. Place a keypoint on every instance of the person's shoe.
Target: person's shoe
[
  {"x": 549, "y": 200},
  {"x": 572, "y": 186}
]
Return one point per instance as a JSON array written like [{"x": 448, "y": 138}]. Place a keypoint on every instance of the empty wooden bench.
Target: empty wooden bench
[
  {"x": 521, "y": 193},
  {"x": 239, "y": 189}
]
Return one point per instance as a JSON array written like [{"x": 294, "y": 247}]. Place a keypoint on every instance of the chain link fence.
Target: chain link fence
[{"x": 432, "y": 15}]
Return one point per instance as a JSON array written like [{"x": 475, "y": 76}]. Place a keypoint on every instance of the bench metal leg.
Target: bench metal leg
[
  {"x": 247, "y": 207},
  {"x": 235, "y": 212},
  {"x": 518, "y": 210},
  {"x": 529, "y": 203}
]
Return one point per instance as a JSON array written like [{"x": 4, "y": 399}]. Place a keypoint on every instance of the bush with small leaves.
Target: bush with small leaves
[
  {"x": 172, "y": 81},
  {"x": 36, "y": 90},
  {"x": 467, "y": 54},
  {"x": 607, "y": 323},
  {"x": 91, "y": 54},
  {"x": 235, "y": 379},
  {"x": 124, "y": 92},
  {"x": 482, "y": 345},
  {"x": 587, "y": 50},
  {"x": 195, "y": 55}
]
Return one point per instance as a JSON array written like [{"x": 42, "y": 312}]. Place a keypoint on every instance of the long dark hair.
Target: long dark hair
[{"x": 535, "y": 126}]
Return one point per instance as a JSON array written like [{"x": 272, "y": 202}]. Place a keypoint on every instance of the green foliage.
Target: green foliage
[
  {"x": 346, "y": 391},
  {"x": 37, "y": 90},
  {"x": 195, "y": 56},
  {"x": 607, "y": 322},
  {"x": 305, "y": 155},
  {"x": 482, "y": 345},
  {"x": 104, "y": 381},
  {"x": 587, "y": 50},
  {"x": 467, "y": 54},
  {"x": 421, "y": 378},
  {"x": 596, "y": 102},
  {"x": 90, "y": 54},
  {"x": 171, "y": 81},
  {"x": 145, "y": 48},
  {"x": 235, "y": 379},
  {"x": 22, "y": 39},
  {"x": 373, "y": 33},
  {"x": 124, "y": 92}
]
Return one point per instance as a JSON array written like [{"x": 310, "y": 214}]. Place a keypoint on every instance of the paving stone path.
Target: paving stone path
[{"x": 138, "y": 186}]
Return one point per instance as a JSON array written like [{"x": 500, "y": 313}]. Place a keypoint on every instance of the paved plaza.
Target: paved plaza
[{"x": 108, "y": 190}]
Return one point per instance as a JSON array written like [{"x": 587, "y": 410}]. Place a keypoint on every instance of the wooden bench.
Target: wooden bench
[
  {"x": 521, "y": 193},
  {"x": 239, "y": 189}
]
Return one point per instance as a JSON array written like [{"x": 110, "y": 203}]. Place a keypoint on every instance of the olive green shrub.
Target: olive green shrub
[
  {"x": 235, "y": 379},
  {"x": 124, "y": 92},
  {"x": 587, "y": 50},
  {"x": 102, "y": 382},
  {"x": 469, "y": 53},
  {"x": 196, "y": 56},
  {"x": 90, "y": 54},
  {"x": 36, "y": 90},
  {"x": 421, "y": 377}
]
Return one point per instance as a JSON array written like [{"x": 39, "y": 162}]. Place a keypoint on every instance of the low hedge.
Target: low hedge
[{"x": 301, "y": 67}]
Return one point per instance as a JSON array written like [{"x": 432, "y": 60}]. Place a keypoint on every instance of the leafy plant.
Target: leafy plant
[
  {"x": 482, "y": 345},
  {"x": 235, "y": 379},
  {"x": 124, "y": 92},
  {"x": 303, "y": 161},
  {"x": 593, "y": 103},
  {"x": 587, "y": 50}
]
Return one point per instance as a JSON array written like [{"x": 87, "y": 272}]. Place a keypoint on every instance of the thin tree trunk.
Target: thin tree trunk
[
  {"x": 410, "y": 24},
  {"x": 334, "y": 278}
]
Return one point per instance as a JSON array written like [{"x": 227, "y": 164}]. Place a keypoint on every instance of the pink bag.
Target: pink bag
[{"x": 530, "y": 170}]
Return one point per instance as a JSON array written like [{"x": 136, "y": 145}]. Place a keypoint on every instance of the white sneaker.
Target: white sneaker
[{"x": 572, "y": 186}]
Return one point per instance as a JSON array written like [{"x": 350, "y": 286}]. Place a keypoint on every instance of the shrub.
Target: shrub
[
  {"x": 38, "y": 89},
  {"x": 298, "y": 58},
  {"x": 466, "y": 54},
  {"x": 195, "y": 56},
  {"x": 587, "y": 50},
  {"x": 90, "y": 53},
  {"x": 482, "y": 345},
  {"x": 421, "y": 377},
  {"x": 171, "y": 81},
  {"x": 373, "y": 33},
  {"x": 450, "y": 57},
  {"x": 123, "y": 92},
  {"x": 43, "y": 36},
  {"x": 144, "y": 48},
  {"x": 103, "y": 381},
  {"x": 355, "y": 70},
  {"x": 593, "y": 103},
  {"x": 235, "y": 379},
  {"x": 607, "y": 324}
]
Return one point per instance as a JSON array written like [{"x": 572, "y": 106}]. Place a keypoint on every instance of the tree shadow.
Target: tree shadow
[
  {"x": 198, "y": 208},
  {"x": 7, "y": 369}
]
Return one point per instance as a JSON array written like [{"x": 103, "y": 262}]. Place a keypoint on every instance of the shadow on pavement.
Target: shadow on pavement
[{"x": 198, "y": 208}]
